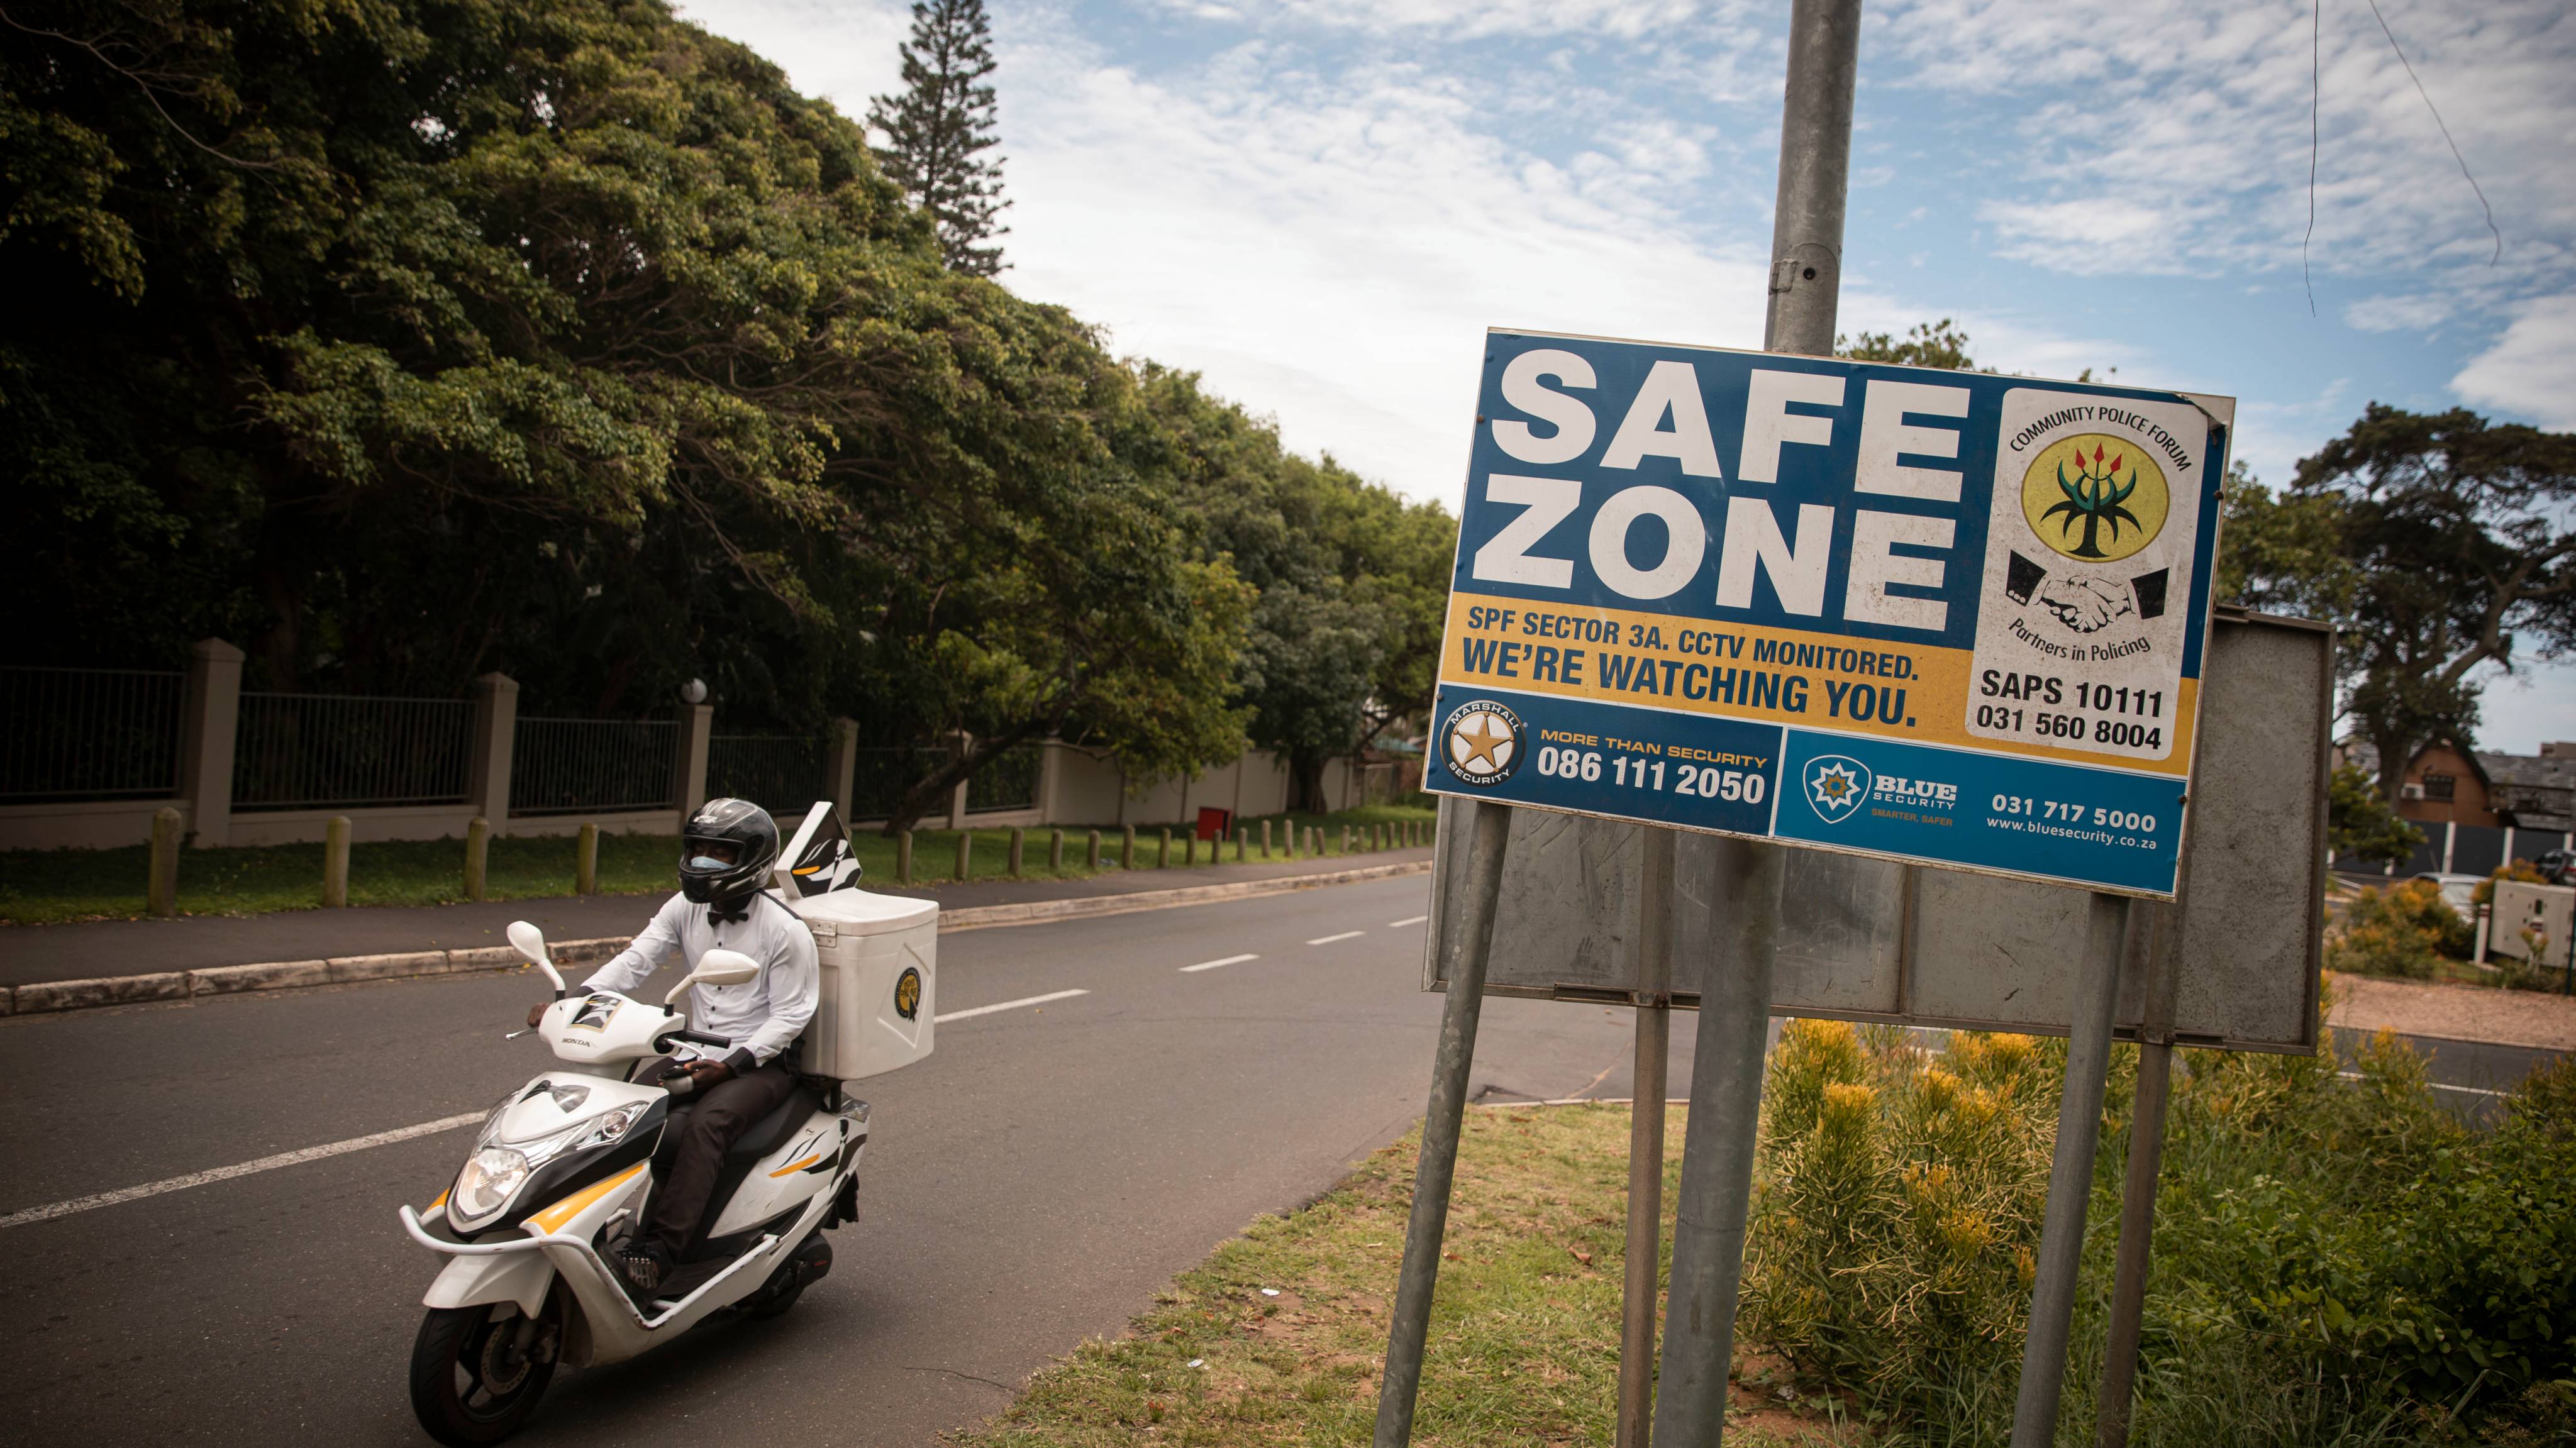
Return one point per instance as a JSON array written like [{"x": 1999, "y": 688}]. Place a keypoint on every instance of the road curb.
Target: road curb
[{"x": 56, "y": 996}]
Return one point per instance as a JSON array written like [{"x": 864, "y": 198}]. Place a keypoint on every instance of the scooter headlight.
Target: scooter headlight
[
  {"x": 491, "y": 1177},
  {"x": 496, "y": 1171}
]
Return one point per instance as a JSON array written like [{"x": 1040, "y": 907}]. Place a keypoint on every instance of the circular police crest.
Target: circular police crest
[
  {"x": 1481, "y": 742},
  {"x": 2094, "y": 498},
  {"x": 907, "y": 993}
]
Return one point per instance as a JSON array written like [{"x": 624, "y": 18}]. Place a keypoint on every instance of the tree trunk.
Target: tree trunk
[
  {"x": 2395, "y": 753},
  {"x": 918, "y": 800},
  {"x": 1306, "y": 782}
]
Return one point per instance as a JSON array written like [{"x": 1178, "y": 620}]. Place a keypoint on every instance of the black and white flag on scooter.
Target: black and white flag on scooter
[{"x": 819, "y": 859}]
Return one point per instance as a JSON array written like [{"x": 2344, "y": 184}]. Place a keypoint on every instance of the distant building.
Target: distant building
[{"x": 2446, "y": 784}]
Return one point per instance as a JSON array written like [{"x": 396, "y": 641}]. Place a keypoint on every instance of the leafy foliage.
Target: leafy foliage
[
  {"x": 2404, "y": 930},
  {"x": 409, "y": 342},
  {"x": 2359, "y": 822},
  {"x": 2335, "y": 1261},
  {"x": 2458, "y": 545},
  {"x": 1925, "y": 344},
  {"x": 938, "y": 126}
]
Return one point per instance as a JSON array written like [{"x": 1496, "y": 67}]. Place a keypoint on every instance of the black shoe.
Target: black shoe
[{"x": 642, "y": 1267}]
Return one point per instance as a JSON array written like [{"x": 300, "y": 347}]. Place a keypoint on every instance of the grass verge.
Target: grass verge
[
  {"x": 1524, "y": 1340},
  {"x": 50, "y": 886}
]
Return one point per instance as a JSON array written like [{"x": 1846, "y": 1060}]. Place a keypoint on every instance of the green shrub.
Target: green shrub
[
  {"x": 2402, "y": 931},
  {"x": 2337, "y": 1261}
]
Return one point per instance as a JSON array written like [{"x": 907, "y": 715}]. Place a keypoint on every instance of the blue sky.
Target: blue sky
[{"x": 1321, "y": 204}]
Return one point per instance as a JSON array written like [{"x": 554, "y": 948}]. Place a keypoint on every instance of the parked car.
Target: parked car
[
  {"x": 2558, "y": 867},
  {"x": 2458, "y": 891}
]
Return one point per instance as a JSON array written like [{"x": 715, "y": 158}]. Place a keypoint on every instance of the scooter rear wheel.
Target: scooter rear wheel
[{"x": 473, "y": 1379}]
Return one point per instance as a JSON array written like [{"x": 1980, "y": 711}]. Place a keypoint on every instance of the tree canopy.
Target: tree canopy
[
  {"x": 405, "y": 342},
  {"x": 2437, "y": 542}
]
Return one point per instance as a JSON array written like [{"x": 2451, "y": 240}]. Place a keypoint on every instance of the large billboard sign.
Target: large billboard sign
[{"x": 1934, "y": 616}]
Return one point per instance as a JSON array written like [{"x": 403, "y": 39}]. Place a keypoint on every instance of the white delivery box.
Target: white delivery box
[{"x": 879, "y": 956}]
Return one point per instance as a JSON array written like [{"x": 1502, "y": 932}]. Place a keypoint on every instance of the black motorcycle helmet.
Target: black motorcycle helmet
[{"x": 726, "y": 850}]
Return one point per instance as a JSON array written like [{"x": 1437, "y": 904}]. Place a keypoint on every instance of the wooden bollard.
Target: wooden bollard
[
  {"x": 1127, "y": 847},
  {"x": 1055, "y": 852},
  {"x": 335, "y": 863},
  {"x": 161, "y": 887},
  {"x": 478, "y": 856},
  {"x": 1091, "y": 852},
  {"x": 965, "y": 854},
  {"x": 1019, "y": 841},
  {"x": 903, "y": 857},
  {"x": 585, "y": 867}
]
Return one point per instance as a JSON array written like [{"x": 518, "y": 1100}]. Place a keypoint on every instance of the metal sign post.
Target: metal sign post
[
  {"x": 1438, "y": 1162},
  {"x": 1735, "y": 1003},
  {"x": 1654, "y": 1009}
]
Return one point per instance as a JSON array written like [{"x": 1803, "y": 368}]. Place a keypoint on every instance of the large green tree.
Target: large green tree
[
  {"x": 408, "y": 341},
  {"x": 1353, "y": 580},
  {"x": 2441, "y": 542}
]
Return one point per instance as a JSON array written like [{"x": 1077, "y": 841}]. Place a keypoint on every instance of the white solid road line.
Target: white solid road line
[
  {"x": 1407, "y": 920},
  {"x": 1329, "y": 939},
  {"x": 52, "y": 1210},
  {"x": 1006, "y": 1006},
  {"x": 1213, "y": 964}
]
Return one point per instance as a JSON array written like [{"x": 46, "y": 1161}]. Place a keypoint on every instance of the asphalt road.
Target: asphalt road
[{"x": 1029, "y": 1185}]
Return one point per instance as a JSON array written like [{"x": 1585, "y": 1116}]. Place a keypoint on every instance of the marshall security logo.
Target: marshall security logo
[
  {"x": 1836, "y": 786},
  {"x": 1481, "y": 742}
]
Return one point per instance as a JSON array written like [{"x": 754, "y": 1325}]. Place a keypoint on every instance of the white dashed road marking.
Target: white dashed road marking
[
  {"x": 1213, "y": 964},
  {"x": 946, "y": 1017},
  {"x": 1329, "y": 939},
  {"x": 52, "y": 1210},
  {"x": 1407, "y": 920}
]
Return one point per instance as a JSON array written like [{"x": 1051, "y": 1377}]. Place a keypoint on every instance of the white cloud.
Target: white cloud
[
  {"x": 1451, "y": 19},
  {"x": 2416, "y": 313},
  {"x": 2175, "y": 138},
  {"x": 2530, "y": 371}
]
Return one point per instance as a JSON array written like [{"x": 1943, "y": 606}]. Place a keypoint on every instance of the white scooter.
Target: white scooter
[{"x": 561, "y": 1174}]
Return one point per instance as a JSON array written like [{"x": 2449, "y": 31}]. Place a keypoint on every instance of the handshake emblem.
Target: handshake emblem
[{"x": 2083, "y": 603}]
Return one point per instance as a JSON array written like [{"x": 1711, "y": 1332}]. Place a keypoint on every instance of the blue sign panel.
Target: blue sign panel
[{"x": 1936, "y": 616}]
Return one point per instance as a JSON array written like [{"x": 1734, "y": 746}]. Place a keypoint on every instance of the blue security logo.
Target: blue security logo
[{"x": 1836, "y": 786}]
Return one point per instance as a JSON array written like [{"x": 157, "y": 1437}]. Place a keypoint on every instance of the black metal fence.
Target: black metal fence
[
  {"x": 782, "y": 773},
  {"x": 76, "y": 734},
  {"x": 576, "y": 766},
  {"x": 2475, "y": 850},
  {"x": 1008, "y": 782},
  {"x": 878, "y": 782},
  {"x": 331, "y": 751}
]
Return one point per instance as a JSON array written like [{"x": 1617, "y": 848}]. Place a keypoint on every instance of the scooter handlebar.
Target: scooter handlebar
[{"x": 663, "y": 1041}]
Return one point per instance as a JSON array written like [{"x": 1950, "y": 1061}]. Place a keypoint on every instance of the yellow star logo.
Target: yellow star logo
[{"x": 1480, "y": 746}]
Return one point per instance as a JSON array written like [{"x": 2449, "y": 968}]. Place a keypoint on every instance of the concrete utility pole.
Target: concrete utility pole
[{"x": 1734, "y": 1018}]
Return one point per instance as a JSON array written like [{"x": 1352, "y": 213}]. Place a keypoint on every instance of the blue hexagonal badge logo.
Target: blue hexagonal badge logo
[{"x": 1836, "y": 786}]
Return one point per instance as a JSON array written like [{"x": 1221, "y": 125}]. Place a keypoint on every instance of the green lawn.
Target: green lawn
[{"x": 42, "y": 886}]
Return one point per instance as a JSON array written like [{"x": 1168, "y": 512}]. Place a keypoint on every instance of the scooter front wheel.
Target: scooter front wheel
[{"x": 477, "y": 1372}]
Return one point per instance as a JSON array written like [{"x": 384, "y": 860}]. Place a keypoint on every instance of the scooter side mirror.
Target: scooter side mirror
[
  {"x": 529, "y": 941},
  {"x": 716, "y": 967}
]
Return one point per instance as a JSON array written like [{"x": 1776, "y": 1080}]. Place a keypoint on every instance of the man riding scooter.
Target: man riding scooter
[{"x": 726, "y": 852}]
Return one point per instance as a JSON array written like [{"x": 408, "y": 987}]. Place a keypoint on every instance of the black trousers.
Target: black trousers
[{"x": 718, "y": 1120}]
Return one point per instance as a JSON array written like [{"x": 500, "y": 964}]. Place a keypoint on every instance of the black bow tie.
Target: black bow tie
[{"x": 717, "y": 914}]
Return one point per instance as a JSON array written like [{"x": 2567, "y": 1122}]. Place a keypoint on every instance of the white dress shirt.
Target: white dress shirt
[{"x": 759, "y": 1018}]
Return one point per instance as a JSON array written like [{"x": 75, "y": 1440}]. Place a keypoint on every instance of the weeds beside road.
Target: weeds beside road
[{"x": 48, "y": 886}]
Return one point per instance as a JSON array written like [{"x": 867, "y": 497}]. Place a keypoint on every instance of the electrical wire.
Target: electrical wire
[
  {"x": 2445, "y": 129},
  {"x": 2316, "y": 96}
]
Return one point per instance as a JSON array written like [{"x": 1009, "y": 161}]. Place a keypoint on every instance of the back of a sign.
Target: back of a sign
[{"x": 1869, "y": 940}]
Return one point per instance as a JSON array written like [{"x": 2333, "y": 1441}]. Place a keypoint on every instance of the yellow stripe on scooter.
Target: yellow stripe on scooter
[
  {"x": 796, "y": 1167},
  {"x": 552, "y": 1218}
]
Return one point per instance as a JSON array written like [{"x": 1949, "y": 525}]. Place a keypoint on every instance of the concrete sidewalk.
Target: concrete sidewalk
[
  {"x": 87, "y": 950},
  {"x": 2532, "y": 1019}
]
